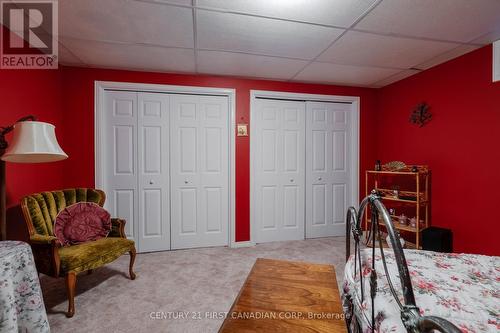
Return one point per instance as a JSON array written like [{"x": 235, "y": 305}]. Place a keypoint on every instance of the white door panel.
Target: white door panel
[
  {"x": 199, "y": 171},
  {"x": 279, "y": 170},
  {"x": 153, "y": 176},
  {"x": 328, "y": 169},
  {"x": 120, "y": 152}
]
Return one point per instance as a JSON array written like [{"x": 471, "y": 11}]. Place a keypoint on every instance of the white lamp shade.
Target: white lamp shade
[{"x": 34, "y": 142}]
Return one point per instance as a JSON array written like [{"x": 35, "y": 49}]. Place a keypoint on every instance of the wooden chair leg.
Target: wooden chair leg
[
  {"x": 131, "y": 266},
  {"x": 70, "y": 287}
]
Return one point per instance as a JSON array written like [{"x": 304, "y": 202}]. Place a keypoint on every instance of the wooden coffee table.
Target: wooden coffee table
[{"x": 287, "y": 296}]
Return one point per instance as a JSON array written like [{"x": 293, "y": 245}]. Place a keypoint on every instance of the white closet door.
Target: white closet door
[
  {"x": 328, "y": 169},
  {"x": 279, "y": 170},
  {"x": 153, "y": 232},
  {"x": 199, "y": 169},
  {"x": 120, "y": 154}
]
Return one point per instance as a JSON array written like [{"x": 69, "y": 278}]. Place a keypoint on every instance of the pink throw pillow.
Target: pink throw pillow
[{"x": 82, "y": 222}]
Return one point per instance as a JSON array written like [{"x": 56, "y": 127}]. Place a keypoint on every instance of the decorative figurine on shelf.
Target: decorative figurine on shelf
[
  {"x": 392, "y": 211},
  {"x": 395, "y": 192},
  {"x": 413, "y": 222},
  {"x": 403, "y": 220},
  {"x": 378, "y": 166},
  {"x": 414, "y": 168},
  {"x": 421, "y": 115}
]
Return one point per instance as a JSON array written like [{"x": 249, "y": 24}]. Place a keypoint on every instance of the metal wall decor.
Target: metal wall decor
[{"x": 421, "y": 115}]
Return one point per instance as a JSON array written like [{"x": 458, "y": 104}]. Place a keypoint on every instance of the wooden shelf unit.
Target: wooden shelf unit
[
  {"x": 417, "y": 198},
  {"x": 408, "y": 245}
]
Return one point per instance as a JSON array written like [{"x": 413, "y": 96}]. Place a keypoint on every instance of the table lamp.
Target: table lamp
[{"x": 32, "y": 142}]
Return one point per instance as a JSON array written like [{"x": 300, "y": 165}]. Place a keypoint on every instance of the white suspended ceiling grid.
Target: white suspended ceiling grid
[{"x": 368, "y": 43}]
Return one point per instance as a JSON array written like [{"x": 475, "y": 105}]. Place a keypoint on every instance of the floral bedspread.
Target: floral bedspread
[
  {"x": 462, "y": 288},
  {"x": 21, "y": 303}
]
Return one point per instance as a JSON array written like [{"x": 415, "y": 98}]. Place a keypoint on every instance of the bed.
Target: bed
[{"x": 416, "y": 291}]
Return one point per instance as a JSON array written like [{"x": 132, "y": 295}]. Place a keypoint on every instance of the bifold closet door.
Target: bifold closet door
[
  {"x": 199, "y": 167},
  {"x": 278, "y": 170},
  {"x": 120, "y": 158},
  {"x": 328, "y": 168},
  {"x": 153, "y": 232},
  {"x": 136, "y": 152}
]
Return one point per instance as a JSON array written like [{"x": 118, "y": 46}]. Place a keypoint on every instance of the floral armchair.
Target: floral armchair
[{"x": 53, "y": 259}]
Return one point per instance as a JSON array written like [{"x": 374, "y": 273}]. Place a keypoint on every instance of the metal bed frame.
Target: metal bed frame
[{"x": 410, "y": 315}]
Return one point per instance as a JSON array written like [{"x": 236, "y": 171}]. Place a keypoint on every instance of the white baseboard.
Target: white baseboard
[{"x": 242, "y": 244}]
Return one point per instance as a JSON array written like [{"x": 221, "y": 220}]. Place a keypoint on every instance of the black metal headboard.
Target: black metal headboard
[{"x": 410, "y": 315}]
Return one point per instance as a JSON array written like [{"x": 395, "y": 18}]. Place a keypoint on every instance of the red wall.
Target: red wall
[
  {"x": 460, "y": 144},
  {"x": 22, "y": 93},
  {"x": 31, "y": 92},
  {"x": 78, "y": 115}
]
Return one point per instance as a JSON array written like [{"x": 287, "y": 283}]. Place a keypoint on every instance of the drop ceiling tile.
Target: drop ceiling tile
[
  {"x": 396, "y": 77},
  {"x": 137, "y": 57},
  {"x": 226, "y": 63},
  {"x": 231, "y": 32},
  {"x": 68, "y": 58},
  {"x": 341, "y": 13},
  {"x": 454, "y": 20},
  {"x": 456, "y": 52},
  {"x": 488, "y": 38},
  {"x": 343, "y": 74},
  {"x": 127, "y": 21},
  {"x": 358, "y": 48},
  {"x": 171, "y": 2}
]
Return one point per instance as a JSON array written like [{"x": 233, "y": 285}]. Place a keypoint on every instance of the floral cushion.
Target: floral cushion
[
  {"x": 82, "y": 222},
  {"x": 462, "y": 288}
]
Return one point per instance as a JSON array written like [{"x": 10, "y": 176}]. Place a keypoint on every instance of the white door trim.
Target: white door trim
[
  {"x": 99, "y": 90},
  {"x": 354, "y": 100}
]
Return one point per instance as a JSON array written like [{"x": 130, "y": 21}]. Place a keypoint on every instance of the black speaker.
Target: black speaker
[{"x": 437, "y": 239}]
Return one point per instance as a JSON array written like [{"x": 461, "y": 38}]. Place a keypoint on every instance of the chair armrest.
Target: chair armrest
[
  {"x": 117, "y": 228},
  {"x": 46, "y": 254},
  {"x": 42, "y": 239}
]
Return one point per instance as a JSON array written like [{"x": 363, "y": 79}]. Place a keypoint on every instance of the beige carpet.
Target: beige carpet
[{"x": 192, "y": 281}]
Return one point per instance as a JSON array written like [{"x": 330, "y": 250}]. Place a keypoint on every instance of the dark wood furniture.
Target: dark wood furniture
[{"x": 287, "y": 296}]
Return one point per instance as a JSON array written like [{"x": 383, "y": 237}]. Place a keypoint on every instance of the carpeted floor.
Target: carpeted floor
[{"x": 169, "y": 283}]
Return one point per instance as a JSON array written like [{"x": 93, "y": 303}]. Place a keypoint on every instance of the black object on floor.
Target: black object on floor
[{"x": 437, "y": 239}]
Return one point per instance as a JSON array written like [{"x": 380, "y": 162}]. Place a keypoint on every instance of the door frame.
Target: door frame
[
  {"x": 100, "y": 87},
  {"x": 281, "y": 95}
]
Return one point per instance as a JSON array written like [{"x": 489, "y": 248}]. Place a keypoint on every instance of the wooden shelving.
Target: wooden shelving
[
  {"x": 416, "y": 198},
  {"x": 403, "y": 227},
  {"x": 421, "y": 171},
  {"x": 408, "y": 245},
  {"x": 414, "y": 202}
]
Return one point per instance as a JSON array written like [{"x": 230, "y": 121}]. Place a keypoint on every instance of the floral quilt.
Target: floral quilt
[
  {"x": 21, "y": 303},
  {"x": 462, "y": 288}
]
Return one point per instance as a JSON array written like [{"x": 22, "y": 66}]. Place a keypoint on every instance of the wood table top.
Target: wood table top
[{"x": 287, "y": 296}]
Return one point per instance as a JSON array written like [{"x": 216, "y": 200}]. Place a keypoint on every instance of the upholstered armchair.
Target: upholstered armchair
[{"x": 53, "y": 259}]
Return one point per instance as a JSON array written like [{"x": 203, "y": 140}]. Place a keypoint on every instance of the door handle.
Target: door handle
[
  {"x": 151, "y": 182},
  {"x": 291, "y": 180},
  {"x": 320, "y": 179},
  {"x": 186, "y": 182}
]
